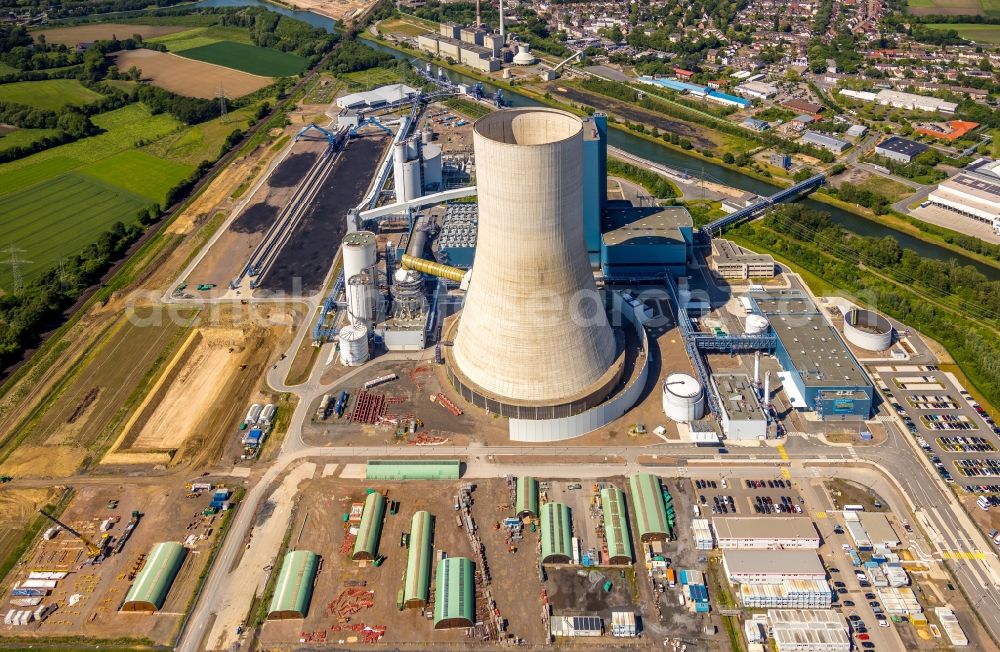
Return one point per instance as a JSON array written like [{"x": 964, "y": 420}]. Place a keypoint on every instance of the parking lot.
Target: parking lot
[
  {"x": 957, "y": 435},
  {"x": 746, "y": 496}
]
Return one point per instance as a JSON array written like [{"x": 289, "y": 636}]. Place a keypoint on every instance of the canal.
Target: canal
[{"x": 660, "y": 154}]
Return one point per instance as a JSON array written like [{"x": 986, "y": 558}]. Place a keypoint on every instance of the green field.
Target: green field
[
  {"x": 139, "y": 173},
  {"x": 21, "y": 137},
  {"x": 981, "y": 33},
  {"x": 368, "y": 79},
  {"x": 193, "y": 145},
  {"x": 202, "y": 36},
  {"x": 56, "y": 218},
  {"x": 125, "y": 129},
  {"x": 6, "y": 70},
  {"x": 248, "y": 58},
  {"x": 50, "y": 94},
  {"x": 954, "y": 7}
]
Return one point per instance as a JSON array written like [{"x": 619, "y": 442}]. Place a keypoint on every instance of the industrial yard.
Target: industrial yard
[{"x": 89, "y": 594}]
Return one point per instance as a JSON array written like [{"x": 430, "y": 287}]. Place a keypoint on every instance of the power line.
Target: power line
[{"x": 15, "y": 262}]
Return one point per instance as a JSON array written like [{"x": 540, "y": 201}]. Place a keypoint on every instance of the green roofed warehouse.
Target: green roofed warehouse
[
  {"x": 527, "y": 496},
  {"x": 416, "y": 589},
  {"x": 413, "y": 470},
  {"x": 616, "y": 526},
  {"x": 557, "y": 539},
  {"x": 152, "y": 584},
  {"x": 366, "y": 545},
  {"x": 294, "y": 589},
  {"x": 455, "y": 594},
  {"x": 647, "y": 503}
]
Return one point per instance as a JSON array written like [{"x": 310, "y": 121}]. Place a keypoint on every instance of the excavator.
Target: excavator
[{"x": 93, "y": 550}]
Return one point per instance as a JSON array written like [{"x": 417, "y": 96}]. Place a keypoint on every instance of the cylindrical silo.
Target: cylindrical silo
[
  {"x": 360, "y": 252},
  {"x": 427, "y": 136},
  {"x": 533, "y": 328},
  {"x": 353, "y": 345},
  {"x": 867, "y": 329},
  {"x": 755, "y": 325},
  {"x": 360, "y": 299},
  {"x": 683, "y": 398},
  {"x": 398, "y": 159},
  {"x": 432, "y": 167},
  {"x": 413, "y": 185}
]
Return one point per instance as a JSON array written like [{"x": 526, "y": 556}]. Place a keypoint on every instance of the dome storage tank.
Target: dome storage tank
[{"x": 683, "y": 398}]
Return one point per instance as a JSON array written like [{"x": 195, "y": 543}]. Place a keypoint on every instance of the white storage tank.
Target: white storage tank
[
  {"x": 354, "y": 345},
  {"x": 524, "y": 57},
  {"x": 359, "y": 251},
  {"x": 432, "y": 167},
  {"x": 867, "y": 329},
  {"x": 756, "y": 325},
  {"x": 683, "y": 398},
  {"x": 360, "y": 299}
]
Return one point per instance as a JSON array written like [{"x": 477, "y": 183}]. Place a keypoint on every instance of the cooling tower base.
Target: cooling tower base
[{"x": 532, "y": 410}]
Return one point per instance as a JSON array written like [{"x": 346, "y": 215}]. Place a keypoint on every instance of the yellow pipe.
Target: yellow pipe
[{"x": 432, "y": 268}]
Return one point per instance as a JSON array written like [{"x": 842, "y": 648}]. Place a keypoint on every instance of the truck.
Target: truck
[{"x": 671, "y": 578}]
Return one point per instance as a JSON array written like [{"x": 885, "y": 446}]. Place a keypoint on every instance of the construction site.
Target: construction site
[{"x": 77, "y": 579}]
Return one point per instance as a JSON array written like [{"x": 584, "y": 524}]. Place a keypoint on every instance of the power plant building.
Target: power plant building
[
  {"x": 645, "y": 243},
  {"x": 294, "y": 588},
  {"x": 819, "y": 372},
  {"x": 742, "y": 416},
  {"x": 595, "y": 181},
  {"x": 729, "y": 260}
]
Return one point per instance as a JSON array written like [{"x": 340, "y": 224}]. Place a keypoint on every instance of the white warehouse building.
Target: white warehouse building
[
  {"x": 749, "y": 533},
  {"x": 809, "y": 630},
  {"x": 771, "y": 566}
]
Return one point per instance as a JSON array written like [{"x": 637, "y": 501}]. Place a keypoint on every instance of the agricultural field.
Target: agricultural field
[
  {"x": 49, "y": 94},
  {"x": 103, "y": 31},
  {"x": 140, "y": 173},
  {"x": 23, "y": 137},
  {"x": 954, "y": 7},
  {"x": 187, "y": 76},
  {"x": 980, "y": 33},
  {"x": 55, "y": 218},
  {"x": 248, "y": 58},
  {"x": 200, "y": 36}
]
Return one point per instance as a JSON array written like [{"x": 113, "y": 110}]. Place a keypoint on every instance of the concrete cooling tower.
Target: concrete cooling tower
[{"x": 533, "y": 339}]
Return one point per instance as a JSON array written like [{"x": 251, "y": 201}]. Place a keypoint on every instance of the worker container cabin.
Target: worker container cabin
[
  {"x": 370, "y": 528},
  {"x": 526, "y": 503},
  {"x": 294, "y": 588},
  {"x": 149, "y": 591},
  {"x": 557, "y": 536},
  {"x": 650, "y": 510},
  {"x": 454, "y": 594},
  {"x": 416, "y": 587},
  {"x": 616, "y": 526}
]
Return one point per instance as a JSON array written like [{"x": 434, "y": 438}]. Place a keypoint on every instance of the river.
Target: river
[{"x": 660, "y": 154}]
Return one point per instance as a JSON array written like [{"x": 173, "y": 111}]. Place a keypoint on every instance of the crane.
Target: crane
[{"x": 92, "y": 549}]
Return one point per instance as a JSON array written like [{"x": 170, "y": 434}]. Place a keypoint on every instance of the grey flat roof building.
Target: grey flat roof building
[
  {"x": 830, "y": 143},
  {"x": 771, "y": 566}
]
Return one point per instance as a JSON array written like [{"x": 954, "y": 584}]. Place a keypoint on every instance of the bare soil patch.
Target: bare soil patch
[
  {"x": 187, "y": 76},
  {"x": 255, "y": 219},
  {"x": 103, "y": 31},
  {"x": 43, "y": 461}
]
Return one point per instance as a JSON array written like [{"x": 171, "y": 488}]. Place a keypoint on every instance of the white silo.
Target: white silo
[
  {"x": 683, "y": 398},
  {"x": 755, "y": 325},
  {"x": 533, "y": 330},
  {"x": 432, "y": 167},
  {"x": 413, "y": 185},
  {"x": 360, "y": 252},
  {"x": 360, "y": 291},
  {"x": 398, "y": 159},
  {"x": 353, "y": 345}
]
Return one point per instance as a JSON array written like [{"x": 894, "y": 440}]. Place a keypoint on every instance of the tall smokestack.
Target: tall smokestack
[
  {"x": 533, "y": 333},
  {"x": 756, "y": 367},
  {"x": 502, "y": 33},
  {"x": 479, "y": 18},
  {"x": 767, "y": 388}
]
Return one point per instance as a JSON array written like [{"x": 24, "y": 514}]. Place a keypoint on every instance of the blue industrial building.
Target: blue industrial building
[
  {"x": 641, "y": 243},
  {"x": 824, "y": 376}
]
